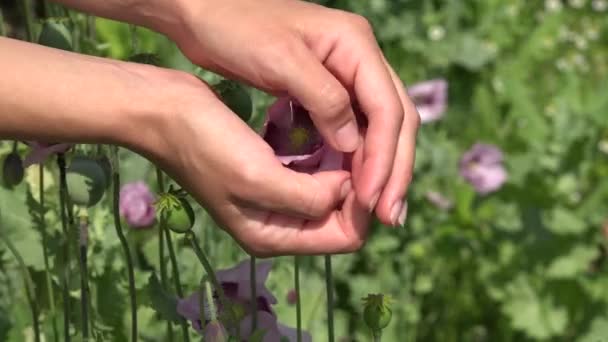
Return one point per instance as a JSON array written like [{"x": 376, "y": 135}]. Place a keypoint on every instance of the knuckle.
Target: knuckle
[
  {"x": 359, "y": 23},
  {"x": 336, "y": 103}
]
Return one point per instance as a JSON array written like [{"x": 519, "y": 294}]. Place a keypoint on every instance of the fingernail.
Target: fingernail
[
  {"x": 346, "y": 187},
  {"x": 347, "y": 137},
  {"x": 396, "y": 212},
  {"x": 403, "y": 214},
  {"x": 372, "y": 204}
]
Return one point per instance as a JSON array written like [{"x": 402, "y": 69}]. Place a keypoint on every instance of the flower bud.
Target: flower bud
[
  {"x": 86, "y": 181},
  {"x": 376, "y": 313}
]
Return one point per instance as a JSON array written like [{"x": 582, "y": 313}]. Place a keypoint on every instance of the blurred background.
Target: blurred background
[{"x": 508, "y": 213}]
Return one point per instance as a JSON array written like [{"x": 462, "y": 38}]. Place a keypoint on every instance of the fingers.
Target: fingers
[
  {"x": 342, "y": 231},
  {"x": 278, "y": 189},
  {"x": 322, "y": 95},
  {"x": 391, "y": 208},
  {"x": 357, "y": 62}
]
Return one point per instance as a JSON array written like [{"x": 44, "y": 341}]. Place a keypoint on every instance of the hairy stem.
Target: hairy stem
[
  {"x": 211, "y": 274},
  {"x": 65, "y": 274},
  {"x": 84, "y": 283},
  {"x": 45, "y": 254},
  {"x": 161, "y": 249},
  {"x": 124, "y": 242},
  {"x": 176, "y": 280},
  {"x": 329, "y": 285}
]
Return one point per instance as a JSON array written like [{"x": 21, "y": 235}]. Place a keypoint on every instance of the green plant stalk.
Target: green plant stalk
[
  {"x": 65, "y": 276},
  {"x": 2, "y": 27},
  {"x": 329, "y": 285},
  {"x": 29, "y": 19},
  {"x": 161, "y": 248},
  {"x": 296, "y": 280},
  {"x": 84, "y": 285},
  {"x": 29, "y": 286},
  {"x": 377, "y": 336},
  {"x": 124, "y": 242},
  {"x": 176, "y": 279},
  {"x": 254, "y": 295},
  {"x": 45, "y": 254},
  {"x": 211, "y": 301},
  {"x": 211, "y": 274}
]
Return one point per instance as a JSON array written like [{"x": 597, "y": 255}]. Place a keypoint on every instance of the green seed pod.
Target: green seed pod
[
  {"x": 180, "y": 217},
  {"x": 376, "y": 313},
  {"x": 236, "y": 97},
  {"x": 12, "y": 170},
  {"x": 55, "y": 35},
  {"x": 145, "y": 58},
  {"x": 86, "y": 181}
]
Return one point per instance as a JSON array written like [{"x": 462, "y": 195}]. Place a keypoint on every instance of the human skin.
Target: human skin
[{"x": 324, "y": 58}]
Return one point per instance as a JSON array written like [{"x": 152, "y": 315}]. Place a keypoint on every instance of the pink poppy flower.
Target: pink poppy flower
[
  {"x": 42, "y": 151},
  {"x": 430, "y": 98},
  {"x": 136, "y": 205},
  {"x": 482, "y": 167}
]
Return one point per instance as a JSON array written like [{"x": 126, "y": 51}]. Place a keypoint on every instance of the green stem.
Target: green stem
[
  {"x": 134, "y": 39},
  {"x": 65, "y": 276},
  {"x": 211, "y": 303},
  {"x": 161, "y": 248},
  {"x": 84, "y": 286},
  {"x": 45, "y": 254},
  {"x": 2, "y": 27},
  {"x": 176, "y": 280},
  {"x": 296, "y": 276},
  {"x": 124, "y": 242},
  {"x": 377, "y": 336},
  {"x": 329, "y": 285},
  {"x": 29, "y": 286},
  {"x": 211, "y": 274},
  {"x": 29, "y": 19},
  {"x": 254, "y": 296}
]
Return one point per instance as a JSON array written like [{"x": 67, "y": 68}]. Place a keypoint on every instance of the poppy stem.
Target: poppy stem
[
  {"x": 254, "y": 296},
  {"x": 45, "y": 254},
  {"x": 84, "y": 278},
  {"x": 65, "y": 276},
  {"x": 176, "y": 280},
  {"x": 191, "y": 238},
  {"x": 210, "y": 300},
  {"x": 161, "y": 247},
  {"x": 29, "y": 286},
  {"x": 296, "y": 276},
  {"x": 124, "y": 242},
  {"x": 329, "y": 285},
  {"x": 2, "y": 27},
  {"x": 29, "y": 19}
]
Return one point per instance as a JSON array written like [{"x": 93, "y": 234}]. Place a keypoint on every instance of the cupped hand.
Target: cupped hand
[
  {"x": 327, "y": 59},
  {"x": 227, "y": 167}
]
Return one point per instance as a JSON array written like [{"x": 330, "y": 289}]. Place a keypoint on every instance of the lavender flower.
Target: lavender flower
[
  {"x": 482, "y": 167},
  {"x": 430, "y": 98},
  {"x": 136, "y": 205},
  {"x": 296, "y": 141},
  {"x": 236, "y": 283}
]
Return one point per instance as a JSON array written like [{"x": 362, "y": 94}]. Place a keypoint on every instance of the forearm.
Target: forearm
[
  {"x": 56, "y": 96},
  {"x": 164, "y": 16}
]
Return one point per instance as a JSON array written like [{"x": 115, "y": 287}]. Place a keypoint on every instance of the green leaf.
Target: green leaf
[
  {"x": 563, "y": 222},
  {"x": 163, "y": 303},
  {"x": 572, "y": 264}
]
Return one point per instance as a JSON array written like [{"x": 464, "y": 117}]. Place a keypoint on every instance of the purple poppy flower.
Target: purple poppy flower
[
  {"x": 215, "y": 332},
  {"x": 273, "y": 330},
  {"x": 41, "y": 151},
  {"x": 293, "y": 136},
  {"x": 431, "y": 98},
  {"x": 136, "y": 205},
  {"x": 236, "y": 283},
  {"x": 482, "y": 167}
]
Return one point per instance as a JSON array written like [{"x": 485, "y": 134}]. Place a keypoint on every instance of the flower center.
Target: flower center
[{"x": 298, "y": 137}]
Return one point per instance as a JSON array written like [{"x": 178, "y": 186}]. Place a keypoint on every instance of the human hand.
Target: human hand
[
  {"x": 327, "y": 59},
  {"x": 269, "y": 209}
]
